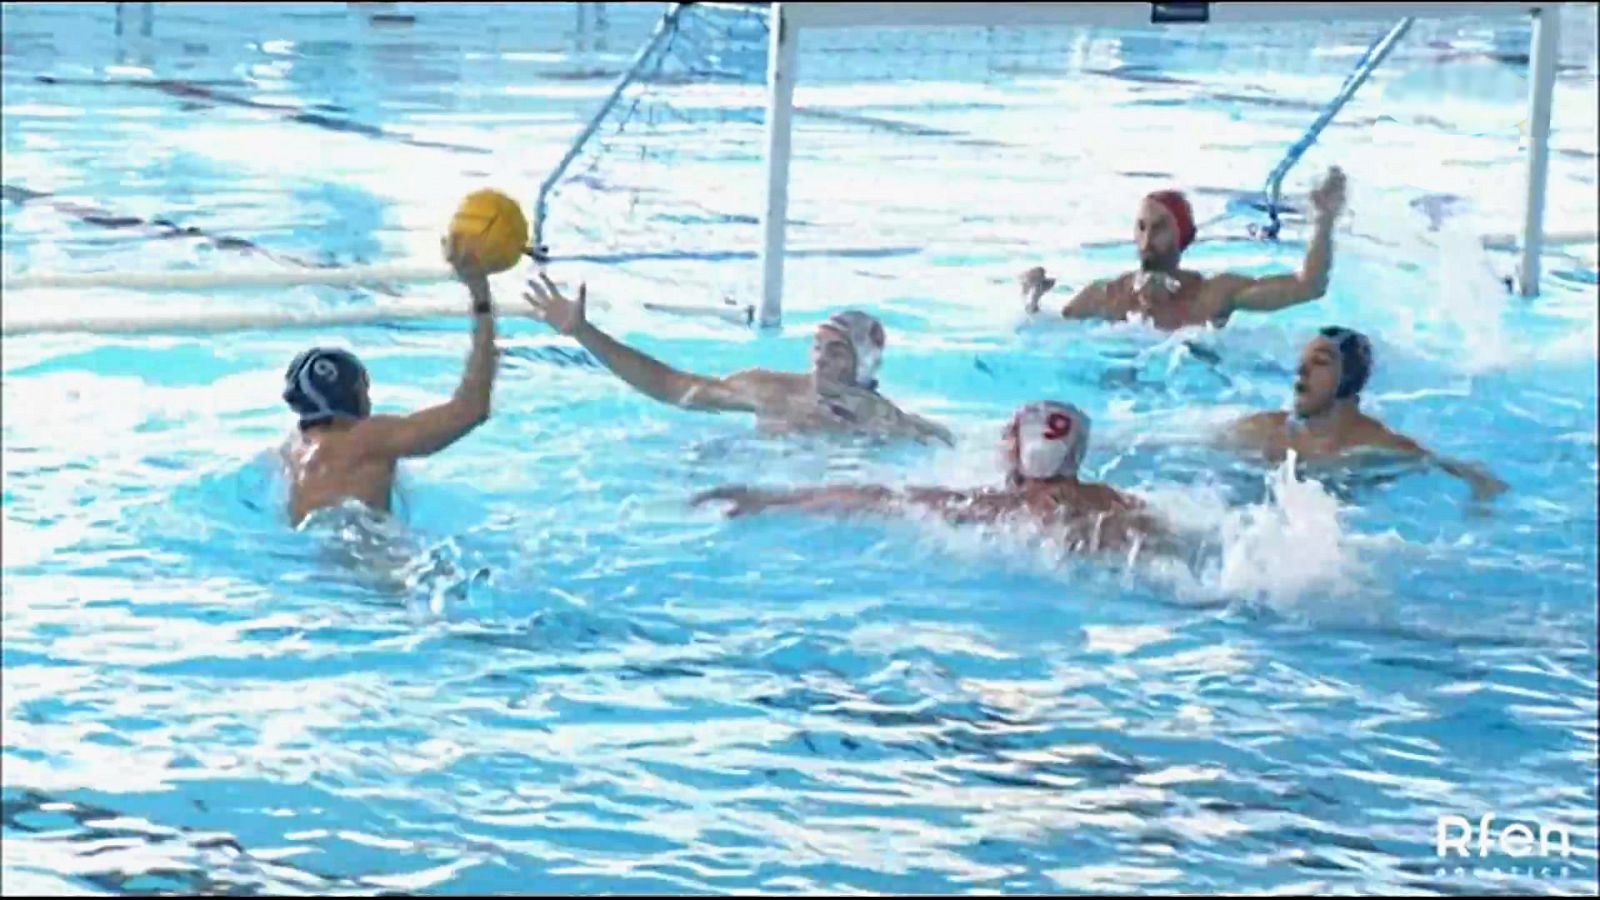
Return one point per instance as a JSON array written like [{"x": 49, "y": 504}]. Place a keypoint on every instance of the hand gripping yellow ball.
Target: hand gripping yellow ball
[{"x": 492, "y": 227}]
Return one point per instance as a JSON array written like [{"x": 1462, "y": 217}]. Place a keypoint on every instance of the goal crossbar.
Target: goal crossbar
[
  {"x": 788, "y": 20},
  {"x": 1122, "y": 15}
]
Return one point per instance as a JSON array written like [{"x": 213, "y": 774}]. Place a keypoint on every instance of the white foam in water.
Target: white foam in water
[
  {"x": 1463, "y": 322},
  {"x": 380, "y": 550},
  {"x": 1471, "y": 299},
  {"x": 1290, "y": 553},
  {"x": 1289, "y": 548}
]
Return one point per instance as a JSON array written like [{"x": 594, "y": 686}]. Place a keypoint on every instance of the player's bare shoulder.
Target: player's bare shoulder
[
  {"x": 1259, "y": 430},
  {"x": 766, "y": 387},
  {"x": 1369, "y": 432},
  {"x": 1214, "y": 299}
]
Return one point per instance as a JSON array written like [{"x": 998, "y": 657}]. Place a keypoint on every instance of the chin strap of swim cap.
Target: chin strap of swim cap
[
  {"x": 866, "y": 336},
  {"x": 324, "y": 383},
  {"x": 1048, "y": 439},
  {"x": 1355, "y": 359}
]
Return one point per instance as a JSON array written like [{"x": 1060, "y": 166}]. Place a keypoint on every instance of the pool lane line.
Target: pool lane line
[
  {"x": 894, "y": 126},
  {"x": 162, "y": 229},
  {"x": 194, "y": 90},
  {"x": 618, "y": 258},
  {"x": 154, "y": 228}
]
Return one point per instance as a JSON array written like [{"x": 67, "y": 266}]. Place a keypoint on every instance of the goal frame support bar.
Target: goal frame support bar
[
  {"x": 788, "y": 21},
  {"x": 1541, "y": 91}
]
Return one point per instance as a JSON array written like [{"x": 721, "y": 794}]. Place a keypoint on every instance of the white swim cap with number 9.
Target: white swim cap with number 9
[{"x": 1048, "y": 439}]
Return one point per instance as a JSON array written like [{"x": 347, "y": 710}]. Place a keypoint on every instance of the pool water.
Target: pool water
[{"x": 548, "y": 673}]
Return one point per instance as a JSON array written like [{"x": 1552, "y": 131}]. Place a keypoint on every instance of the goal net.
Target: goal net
[{"x": 928, "y": 156}]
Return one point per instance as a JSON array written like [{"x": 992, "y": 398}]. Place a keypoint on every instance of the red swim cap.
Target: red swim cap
[{"x": 1178, "y": 205}]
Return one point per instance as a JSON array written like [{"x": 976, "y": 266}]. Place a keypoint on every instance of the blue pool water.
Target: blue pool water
[{"x": 550, "y": 674}]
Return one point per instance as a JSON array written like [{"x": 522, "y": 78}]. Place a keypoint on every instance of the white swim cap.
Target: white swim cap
[
  {"x": 1048, "y": 440},
  {"x": 866, "y": 338}
]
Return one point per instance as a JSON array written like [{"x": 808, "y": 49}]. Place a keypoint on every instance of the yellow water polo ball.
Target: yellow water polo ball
[{"x": 492, "y": 226}]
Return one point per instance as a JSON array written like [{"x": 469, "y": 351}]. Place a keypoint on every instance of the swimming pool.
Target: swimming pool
[{"x": 551, "y": 675}]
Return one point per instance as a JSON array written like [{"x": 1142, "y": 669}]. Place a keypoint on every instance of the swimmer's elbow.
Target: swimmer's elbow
[
  {"x": 1312, "y": 281},
  {"x": 471, "y": 399},
  {"x": 671, "y": 393},
  {"x": 1281, "y": 292},
  {"x": 673, "y": 389},
  {"x": 472, "y": 410},
  {"x": 687, "y": 396},
  {"x": 1303, "y": 288}
]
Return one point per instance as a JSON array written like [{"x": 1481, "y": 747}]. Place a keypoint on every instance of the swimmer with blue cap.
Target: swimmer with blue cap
[
  {"x": 341, "y": 450},
  {"x": 1326, "y": 420},
  {"x": 839, "y": 394},
  {"x": 1042, "y": 450}
]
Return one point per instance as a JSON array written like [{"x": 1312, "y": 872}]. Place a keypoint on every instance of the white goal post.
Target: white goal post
[{"x": 788, "y": 21}]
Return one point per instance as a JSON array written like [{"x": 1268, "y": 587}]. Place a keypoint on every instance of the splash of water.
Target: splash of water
[
  {"x": 1465, "y": 323},
  {"x": 434, "y": 579},
  {"x": 1471, "y": 300},
  {"x": 1289, "y": 554},
  {"x": 1289, "y": 549}
]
